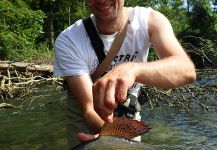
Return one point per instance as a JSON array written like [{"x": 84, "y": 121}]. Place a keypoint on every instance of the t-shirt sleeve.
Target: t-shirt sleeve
[{"x": 68, "y": 60}]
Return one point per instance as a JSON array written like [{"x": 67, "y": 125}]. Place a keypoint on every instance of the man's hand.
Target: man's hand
[
  {"x": 83, "y": 137},
  {"x": 112, "y": 88}
]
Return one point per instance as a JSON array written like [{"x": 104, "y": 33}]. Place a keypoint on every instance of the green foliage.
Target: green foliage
[
  {"x": 152, "y": 55},
  {"x": 215, "y": 22},
  {"x": 133, "y": 3},
  {"x": 202, "y": 19},
  {"x": 19, "y": 29},
  {"x": 81, "y": 10},
  {"x": 26, "y": 24}
]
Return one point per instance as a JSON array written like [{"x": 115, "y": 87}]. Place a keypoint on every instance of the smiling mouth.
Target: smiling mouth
[{"x": 104, "y": 9}]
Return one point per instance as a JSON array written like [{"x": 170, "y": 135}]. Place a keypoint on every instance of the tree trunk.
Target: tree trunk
[{"x": 51, "y": 30}]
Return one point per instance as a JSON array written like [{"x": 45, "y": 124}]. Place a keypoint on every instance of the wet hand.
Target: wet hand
[{"x": 83, "y": 137}]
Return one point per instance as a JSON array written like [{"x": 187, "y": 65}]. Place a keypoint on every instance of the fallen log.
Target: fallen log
[
  {"x": 5, "y": 105},
  {"x": 26, "y": 67}
]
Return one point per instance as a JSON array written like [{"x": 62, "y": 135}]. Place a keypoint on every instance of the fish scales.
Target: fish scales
[
  {"x": 111, "y": 143},
  {"x": 125, "y": 128}
]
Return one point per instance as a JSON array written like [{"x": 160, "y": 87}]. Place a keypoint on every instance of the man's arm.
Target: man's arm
[
  {"x": 174, "y": 68},
  {"x": 81, "y": 88}
]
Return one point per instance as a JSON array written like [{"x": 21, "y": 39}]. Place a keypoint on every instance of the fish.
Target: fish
[{"x": 117, "y": 135}]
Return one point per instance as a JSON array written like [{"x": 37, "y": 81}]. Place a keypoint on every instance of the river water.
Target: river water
[{"x": 39, "y": 123}]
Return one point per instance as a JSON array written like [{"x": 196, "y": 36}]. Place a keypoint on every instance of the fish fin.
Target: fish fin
[{"x": 125, "y": 128}]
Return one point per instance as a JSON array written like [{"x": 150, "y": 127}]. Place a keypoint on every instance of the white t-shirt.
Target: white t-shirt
[{"x": 74, "y": 54}]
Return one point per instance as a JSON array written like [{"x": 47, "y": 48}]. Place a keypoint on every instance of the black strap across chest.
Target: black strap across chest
[{"x": 96, "y": 41}]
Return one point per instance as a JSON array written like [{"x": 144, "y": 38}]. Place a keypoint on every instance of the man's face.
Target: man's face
[{"x": 105, "y": 10}]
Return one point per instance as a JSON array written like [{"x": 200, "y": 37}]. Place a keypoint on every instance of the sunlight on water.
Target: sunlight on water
[
  {"x": 175, "y": 128},
  {"x": 178, "y": 129}
]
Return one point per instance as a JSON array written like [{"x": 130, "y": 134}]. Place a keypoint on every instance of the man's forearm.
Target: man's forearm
[
  {"x": 81, "y": 88},
  {"x": 170, "y": 72}
]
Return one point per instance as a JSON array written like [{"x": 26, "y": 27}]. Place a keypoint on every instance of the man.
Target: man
[{"x": 93, "y": 103}]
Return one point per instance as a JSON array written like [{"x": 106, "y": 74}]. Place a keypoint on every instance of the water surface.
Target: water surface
[{"x": 39, "y": 123}]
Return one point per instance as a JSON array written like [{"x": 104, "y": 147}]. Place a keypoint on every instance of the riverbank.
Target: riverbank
[{"x": 18, "y": 78}]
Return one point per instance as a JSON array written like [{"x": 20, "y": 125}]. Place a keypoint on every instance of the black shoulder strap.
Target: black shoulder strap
[{"x": 96, "y": 41}]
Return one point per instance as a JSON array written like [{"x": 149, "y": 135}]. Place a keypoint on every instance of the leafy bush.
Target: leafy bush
[{"x": 19, "y": 29}]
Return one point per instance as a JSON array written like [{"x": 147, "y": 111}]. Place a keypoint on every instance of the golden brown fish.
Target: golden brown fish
[{"x": 117, "y": 136}]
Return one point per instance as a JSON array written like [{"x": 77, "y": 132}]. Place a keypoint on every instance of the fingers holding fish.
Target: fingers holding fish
[
  {"x": 104, "y": 97},
  {"x": 109, "y": 99},
  {"x": 111, "y": 89},
  {"x": 121, "y": 92},
  {"x": 104, "y": 112},
  {"x": 108, "y": 118}
]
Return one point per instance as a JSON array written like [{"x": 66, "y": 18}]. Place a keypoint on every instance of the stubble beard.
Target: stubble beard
[{"x": 113, "y": 18}]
